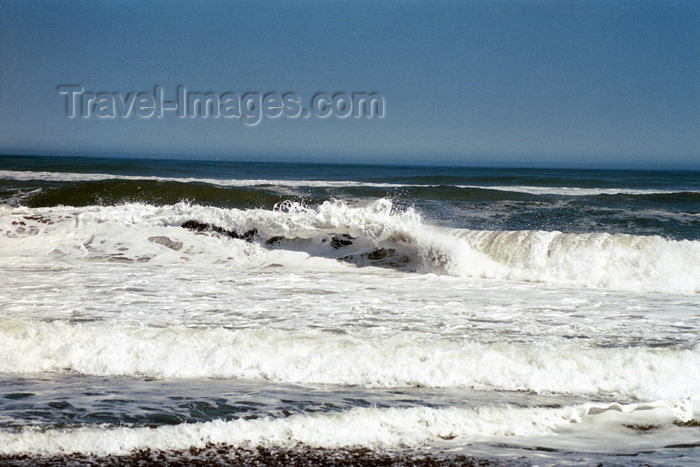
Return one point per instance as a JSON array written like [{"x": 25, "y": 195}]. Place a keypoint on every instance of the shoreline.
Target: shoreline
[{"x": 217, "y": 454}]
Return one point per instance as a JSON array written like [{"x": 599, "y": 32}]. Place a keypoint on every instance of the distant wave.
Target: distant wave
[
  {"x": 89, "y": 177},
  {"x": 532, "y": 190},
  {"x": 575, "y": 191}
]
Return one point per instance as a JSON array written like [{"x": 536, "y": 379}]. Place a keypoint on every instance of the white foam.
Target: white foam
[
  {"x": 620, "y": 262},
  {"x": 30, "y": 347},
  {"x": 574, "y": 191},
  {"x": 360, "y": 427},
  {"x": 93, "y": 177},
  {"x": 601, "y": 260}
]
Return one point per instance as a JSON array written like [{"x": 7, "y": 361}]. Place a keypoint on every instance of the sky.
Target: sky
[{"x": 612, "y": 84}]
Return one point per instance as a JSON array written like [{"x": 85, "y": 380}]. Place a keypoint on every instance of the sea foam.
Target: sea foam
[
  {"x": 375, "y": 234},
  {"x": 326, "y": 358},
  {"x": 370, "y": 428}
]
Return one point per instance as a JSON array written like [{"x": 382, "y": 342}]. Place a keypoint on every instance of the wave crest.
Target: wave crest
[{"x": 377, "y": 234}]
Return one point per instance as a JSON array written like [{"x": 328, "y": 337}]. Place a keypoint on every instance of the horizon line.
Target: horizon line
[{"x": 269, "y": 160}]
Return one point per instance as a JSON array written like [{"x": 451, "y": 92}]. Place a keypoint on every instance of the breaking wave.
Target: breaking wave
[
  {"x": 375, "y": 234},
  {"x": 359, "y": 427},
  {"x": 365, "y": 360}
]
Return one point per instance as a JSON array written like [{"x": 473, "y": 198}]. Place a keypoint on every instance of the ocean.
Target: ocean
[{"x": 156, "y": 311}]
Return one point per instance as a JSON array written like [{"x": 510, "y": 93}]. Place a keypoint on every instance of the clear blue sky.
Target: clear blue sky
[{"x": 518, "y": 83}]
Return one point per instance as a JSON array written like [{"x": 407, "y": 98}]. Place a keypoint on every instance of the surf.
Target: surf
[{"x": 372, "y": 234}]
